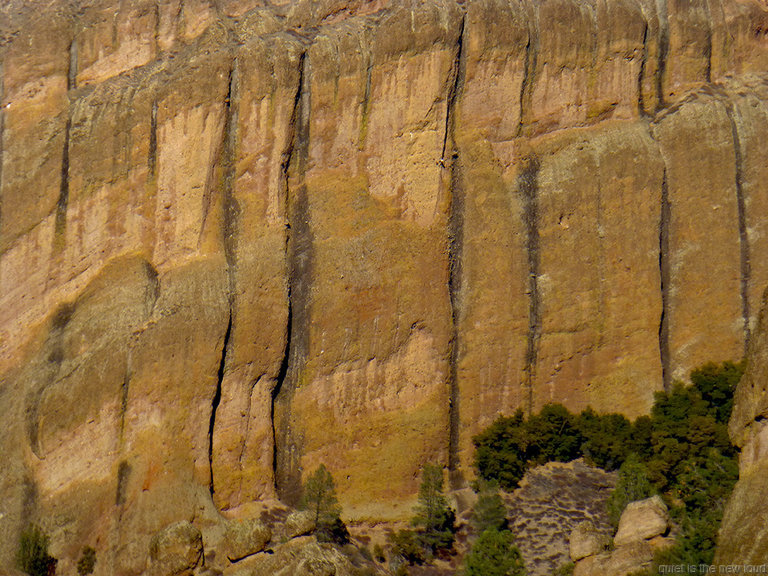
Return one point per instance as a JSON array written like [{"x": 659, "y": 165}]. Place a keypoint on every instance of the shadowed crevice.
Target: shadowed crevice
[
  {"x": 299, "y": 260},
  {"x": 528, "y": 187},
  {"x": 665, "y": 280},
  {"x": 217, "y": 400},
  {"x": 455, "y": 254},
  {"x": 745, "y": 267},
  {"x": 663, "y": 52},
  {"x": 529, "y": 67}
]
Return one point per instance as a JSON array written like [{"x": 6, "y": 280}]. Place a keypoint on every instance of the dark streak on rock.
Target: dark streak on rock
[
  {"x": 63, "y": 201},
  {"x": 152, "y": 155},
  {"x": 152, "y": 291},
  {"x": 744, "y": 252},
  {"x": 528, "y": 186},
  {"x": 641, "y": 76},
  {"x": 663, "y": 51},
  {"x": 123, "y": 474},
  {"x": 231, "y": 209},
  {"x": 455, "y": 253},
  {"x": 664, "y": 274},
  {"x": 299, "y": 248},
  {"x": 708, "y": 45},
  {"x": 529, "y": 68},
  {"x": 217, "y": 399},
  {"x": 54, "y": 348}
]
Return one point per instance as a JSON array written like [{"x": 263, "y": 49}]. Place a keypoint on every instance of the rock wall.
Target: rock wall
[{"x": 241, "y": 238}]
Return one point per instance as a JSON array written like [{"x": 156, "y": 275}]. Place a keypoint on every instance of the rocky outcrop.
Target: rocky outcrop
[
  {"x": 642, "y": 532},
  {"x": 642, "y": 520},
  {"x": 241, "y": 238},
  {"x": 553, "y": 500},
  {"x": 743, "y": 538}
]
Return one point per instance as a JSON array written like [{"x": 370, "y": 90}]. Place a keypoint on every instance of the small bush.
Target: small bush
[
  {"x": 489, "y": 511},
  {"x": 494, "y": 554},
  {"x": 632, "y": 484},
  {"x": 32, "y": 556},
  {"x": 87, "y": 561}
]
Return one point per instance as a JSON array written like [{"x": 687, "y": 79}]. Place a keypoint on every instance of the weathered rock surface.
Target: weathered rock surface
[
  {"x": 298, "y": 523},
  {"x": 743, "y": 537},
  {"x": 244, "y": 538},
  {"x": 642, "y": 520},
  {"x": 639, "y": 536},
  {"x": 550, "y": 502},
  {"x": 176, "y": 550},
  {"x": 240, "y": 238},
  {"x": 585, "y": 540}
]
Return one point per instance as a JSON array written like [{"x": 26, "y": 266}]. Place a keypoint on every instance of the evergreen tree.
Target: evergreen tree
[
  {"x": 433, "y": 516},
  {"x": 319, "y": 497},
  {"x": 494, "y": 554},
  {"x": 489, "y": 510},
  {"x": 633, "y": 484}
]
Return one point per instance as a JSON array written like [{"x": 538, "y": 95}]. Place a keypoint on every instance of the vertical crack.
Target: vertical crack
[
  {"x": 528, "y": 186},
  {"x": 529, "y": 67},
  {"x": 455, "y": 253},
  {"x": 641, "y": 75},
  {"x": 299, "y": 242},
  {"x": 745, "y": 265},
  {"x": 152, "y": 154},
  {"x": 664, "y": 274},
  {"x": 217, "y": 399},
  {"x": 663, "y": 51},
  {"x": 230, "y": 205},
  {"x": 708, "y": 45},
  {"x": 63, "y": 201}
]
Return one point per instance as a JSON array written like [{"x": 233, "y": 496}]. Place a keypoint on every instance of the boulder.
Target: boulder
[
  {"x": 629, "y": 559},
  {"x": 176, "y": 550},
  {"x": 642, "y": 520},
  {"x": 245, "y": 537},
  {"x": 298, "y": 523},
  {"x": 585, "y": 540}
]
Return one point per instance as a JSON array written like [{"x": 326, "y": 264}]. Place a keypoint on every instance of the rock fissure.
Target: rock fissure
[
  {"x": 286, "y": 453},
  {"x": 529, "y": 66},
  {"x": 152, "y": 153},
  {"x": 744, "y": 249},
  {"x": 663, "y": 52},
  {"x": 527, "y": 184},
  {"x": 455, "y": 254},
  {"x": 641, "y": 75},
  {"x": 217, "y": 400},
  {"x": 665, "y": 214}
]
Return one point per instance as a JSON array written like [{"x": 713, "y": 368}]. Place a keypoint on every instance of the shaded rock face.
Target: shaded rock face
[
  {"x": 242, "y": 238},
  {"x": 743, "y": 536},
  {"x": 552, "y": 501}
]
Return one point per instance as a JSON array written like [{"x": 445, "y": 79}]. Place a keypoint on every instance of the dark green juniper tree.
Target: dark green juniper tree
[{"x": 319, "y": 497}]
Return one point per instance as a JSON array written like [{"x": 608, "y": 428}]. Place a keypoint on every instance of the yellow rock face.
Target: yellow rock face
[{"x": 239, "y": 239}]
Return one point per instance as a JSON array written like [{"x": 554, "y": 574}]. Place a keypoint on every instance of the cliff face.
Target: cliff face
[{"x": 242, "y": 238}]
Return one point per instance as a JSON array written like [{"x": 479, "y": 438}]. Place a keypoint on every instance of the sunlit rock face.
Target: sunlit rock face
[{"x": 242, "y": 238}]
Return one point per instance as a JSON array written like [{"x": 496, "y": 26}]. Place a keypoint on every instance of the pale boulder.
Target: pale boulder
[{"x": 642, "y": 520}]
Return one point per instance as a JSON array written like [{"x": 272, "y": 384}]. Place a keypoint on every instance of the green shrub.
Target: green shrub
[
  {"x": 405, "y": 546},
  {"x": 32, "y": 556},
  {"x": 489, "y": 511},
  {"x": 494, "y": 554},
  {"x": 632, "y": 484},
  {"x": 433, "y": 519},
  {"x": 87, "y": 561}
]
